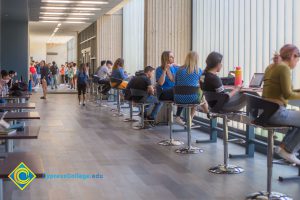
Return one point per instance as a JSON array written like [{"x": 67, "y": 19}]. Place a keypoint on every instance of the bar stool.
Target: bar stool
[
  {"x": 117, "y": 83},
  {"x": 215, "y": 112},
  {"x": 130, "y": 119},
  {"x": 170, "y": 141},
  {"x": 100, "y": 96},
  {"x": 139, "y": 97},
  {"x": 260, "y": 111},
  {"x": 187, "y": 90}
]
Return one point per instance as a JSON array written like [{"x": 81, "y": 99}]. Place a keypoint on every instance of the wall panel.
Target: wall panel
[
  {"x": 133, "y": 35},
  {"x": 249, "y": 32},
  {"x": 109, "y": 37},
  {"x": 167, "y": 27}
]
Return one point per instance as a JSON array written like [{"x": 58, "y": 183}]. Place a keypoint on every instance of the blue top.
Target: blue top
[
  {"x": 82, "y": 77},
  {"x": 119, "y": 74},
  {"x": 183, "y": 78},
  {"x": 168, "y": 84}
]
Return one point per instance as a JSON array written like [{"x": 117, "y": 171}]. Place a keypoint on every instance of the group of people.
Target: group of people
[{"x": 277, "y": 88}]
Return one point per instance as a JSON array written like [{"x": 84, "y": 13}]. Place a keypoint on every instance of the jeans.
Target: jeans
[
  {"x": 35, "y": 80},
  {"x": 54, "y": 82},
  {"x": 235, "y": 103},
  {"x": 286, "y": 117},
  {"x": 157, "y": 106}
]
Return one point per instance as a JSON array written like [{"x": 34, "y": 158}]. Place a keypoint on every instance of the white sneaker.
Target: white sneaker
[
  {"x": 179, "y": 121},
  {"x": 290, "y": 157},
  {"x": 79, "y": 103}
]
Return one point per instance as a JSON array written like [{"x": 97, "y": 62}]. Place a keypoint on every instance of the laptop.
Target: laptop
[{"x": 256, "y": 80}]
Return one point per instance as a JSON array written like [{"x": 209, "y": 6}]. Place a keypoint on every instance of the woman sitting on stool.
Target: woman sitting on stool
[
  {"x": 210, "y": 82},
  {"x": 278, "y": 89},
  {"x": 165, "y": 78},
  {"x": 189, "y": 75},
  {"x": 119, "y": 74}
]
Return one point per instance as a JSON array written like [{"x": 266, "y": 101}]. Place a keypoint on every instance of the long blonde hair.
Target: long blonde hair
[
  {"x": 191, "y": 62},
  {"x": 165, "y": 56}
]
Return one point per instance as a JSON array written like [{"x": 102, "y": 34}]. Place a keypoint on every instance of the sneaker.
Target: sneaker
[
  {"x": 42, "y": 98},
  {"x": 79, "y": 103},
  {"x": 179, "y": 121},
  {"x": 83, "y": 103},
  {"x": 290, "y": 157}
]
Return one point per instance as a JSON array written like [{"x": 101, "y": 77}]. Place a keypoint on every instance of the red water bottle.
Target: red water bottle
[{"x": 238, "y": 76}]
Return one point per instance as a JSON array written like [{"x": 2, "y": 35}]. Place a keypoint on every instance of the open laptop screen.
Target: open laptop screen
[{"x": 257, "y": 80}]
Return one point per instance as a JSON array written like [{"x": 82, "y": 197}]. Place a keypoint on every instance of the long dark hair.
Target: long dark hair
[{"x": 212, "y": 60}]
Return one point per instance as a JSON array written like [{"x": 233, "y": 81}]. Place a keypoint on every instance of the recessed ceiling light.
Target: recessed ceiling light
[
  {"x": 61, "y": 13},
  {"x": 77, "y": 2},
  {"x": 46, "y": 21},
  {"x": 76, "y": 18},
  {"x": 69, "y": 8}
]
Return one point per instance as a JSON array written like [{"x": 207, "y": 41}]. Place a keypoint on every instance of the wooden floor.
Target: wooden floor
[{"x": 76, "y": 139}]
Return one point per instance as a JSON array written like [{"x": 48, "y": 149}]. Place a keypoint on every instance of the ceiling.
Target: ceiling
[{"x": 42, "y": 31}]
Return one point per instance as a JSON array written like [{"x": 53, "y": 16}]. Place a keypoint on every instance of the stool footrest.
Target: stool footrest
[
  {"x": 229, "y": 169},
  {"x": 237, "y": 141},
  {"x": 265, "y": 195}
]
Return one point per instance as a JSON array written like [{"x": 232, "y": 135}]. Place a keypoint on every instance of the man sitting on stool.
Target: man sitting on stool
[{"x": 143, "y": 82}]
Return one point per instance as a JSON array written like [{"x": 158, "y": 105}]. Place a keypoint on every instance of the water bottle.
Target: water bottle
[{"x": 238, "y": 76}]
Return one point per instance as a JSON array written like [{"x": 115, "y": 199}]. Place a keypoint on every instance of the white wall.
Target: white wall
[
  {"x": 61, "y": 50},
  {"x": 37, "y": 50},
  {"x": 72, "y": 50},
  {"x": 246, "y": 32},
  {"x": 133, "y": 35}
]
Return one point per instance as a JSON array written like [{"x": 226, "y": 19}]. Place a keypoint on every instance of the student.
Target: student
[
  {"x": 119, "y": 74},
  {"x": 143, "y": 82},
  {"x": 38, "y": 72},
  {"x": 44, "y": 76},
  {"x": 74, "y": 75},
  {"x": 109, "y": 65},
  {"x": 278, "y": 89},
  {"x": 82, "y": 79},
  {"x": 54, "y": 71},
  {"x": 102, "y": 72},
  {"x": 11, "y": 74},
  {"x": 212, "y": 83},
  {"x": 66, "y": 74},
  {"x": 71, "y": 75},
  {"x": 33, "y": 73},
  {"x": 189, "y": 75},
  {"x": 165, "y": 78},
  {"x": 62, "y": 74}
]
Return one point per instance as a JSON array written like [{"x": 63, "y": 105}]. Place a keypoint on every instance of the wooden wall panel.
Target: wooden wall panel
[
  {"x": 168, "y": 25},
  {"x": 109, "y": 37}
]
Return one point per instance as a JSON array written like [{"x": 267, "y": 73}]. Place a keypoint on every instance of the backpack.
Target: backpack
[{"x": 82, "y": 78}]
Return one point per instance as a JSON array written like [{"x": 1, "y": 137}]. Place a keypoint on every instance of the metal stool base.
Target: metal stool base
[
  {"x": 189, "y": 150},
  {"x": 118, "y": 114},
  {"x": 229, "y": 169},
  {"x": 170, "y": 142},
  {"x": 264, "y": 196}
]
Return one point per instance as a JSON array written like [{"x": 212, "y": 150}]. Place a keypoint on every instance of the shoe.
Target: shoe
[
  {"x": 179, "y": 121},
  {"x": 79, "y": 103},
  {"x": 290, "y": 157},
  {"x": 42, "y": 98},
  {"x": 83, "y": 104}
]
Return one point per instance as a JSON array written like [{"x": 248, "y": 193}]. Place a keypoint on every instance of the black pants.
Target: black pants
[
  {"x": 106, "y": 87},
  {"x": 168, "y": 95}
]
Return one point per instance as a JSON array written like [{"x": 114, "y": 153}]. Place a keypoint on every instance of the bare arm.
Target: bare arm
[{"x": 162, "y": 78}]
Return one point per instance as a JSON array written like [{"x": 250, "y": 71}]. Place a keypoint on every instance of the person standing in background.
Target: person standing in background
[
  {"x": 71, "y": 75},
  {"x": 44, "y": 75},
  {"x": 66, "y": 74},
  {"x": 62, "y": 74},
  {"x": 74, "y": 75},
  {"x": 82, "y": 83},
  {"x": 33, "y": 73},
  {"x": 38, "y": 72},
  {"x": 54, "y": 72}
]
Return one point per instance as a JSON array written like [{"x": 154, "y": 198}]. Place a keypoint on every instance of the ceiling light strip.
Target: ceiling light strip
[
  {"x": 77, "y": 2},
  {"x": 69, "y": 8},
  {"x": 62, "y": 13}
]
